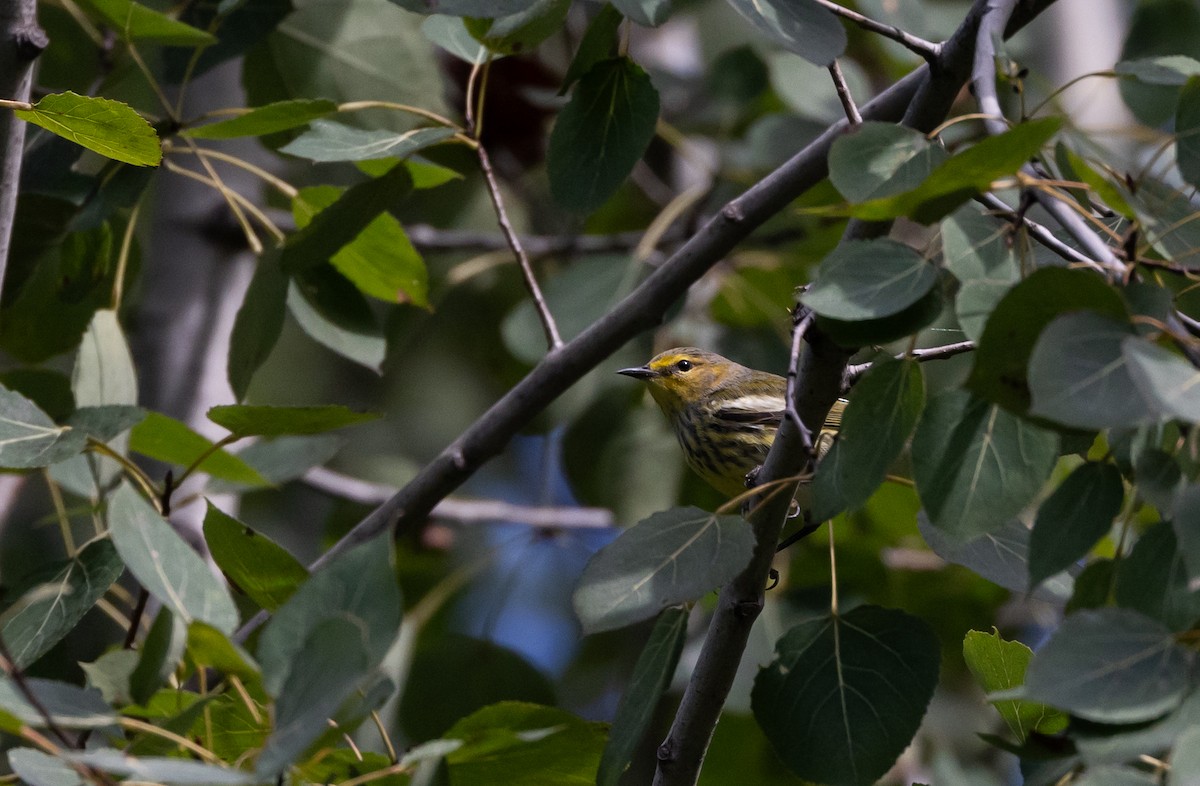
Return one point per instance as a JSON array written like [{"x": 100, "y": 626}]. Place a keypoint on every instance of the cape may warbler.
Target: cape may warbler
[{"x": 724, "y": 414}]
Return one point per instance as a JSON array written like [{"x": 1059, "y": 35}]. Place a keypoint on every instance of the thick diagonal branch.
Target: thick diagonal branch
[{"x": 21, "y": 41}]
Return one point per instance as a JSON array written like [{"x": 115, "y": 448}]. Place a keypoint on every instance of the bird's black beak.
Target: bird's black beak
[{"x": 639, "y": 372}]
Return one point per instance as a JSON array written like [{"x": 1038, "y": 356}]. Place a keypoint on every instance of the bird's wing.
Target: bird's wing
[{"x": 757, "y": 409}]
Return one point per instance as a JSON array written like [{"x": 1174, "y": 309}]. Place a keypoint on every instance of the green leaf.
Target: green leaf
[
  {"x": 165, "y": 564},
  {"x": 1001, "y": 557},
  {"x": 258, "y": 323},
  {"x": 333, "y": 49},
  {"x": 599, "y": 42},
  {"x": 29, "y": 438},
  {"x": 371, "y": 249},
  {"x": 752, "y": 296},
  {"x": 47, "y": 612},
  {"x": 35, "y": 768},
  {"x": 450, "y": 34},
  {"x": 523, "y": 31},
  {"x": 1110, "y": 666},
  {"x": 173, "y": 771},
  {"x": 1073, "y": 518},
  {"x": 268, "y": 119},
  {"x": 648, "y": 13},
  {"x": 513, "y": 742},
  {"x": 601, "y": 133},
  {"x": 1163, "y": 27},
  {"x": 650, "y": 679},
  {"x": 311, "y": 305},
  {"x": 979, "y": 251},
  {"x": 209, "y": 647},
  {"x": 284, "y": 458},
  {"x": 252, "y": 562},
  {"x": 107, "y": 422},
  {"x": 159, "y": 655},
  {"x": 1078, "y": 375},
  {"x": 1104, "y": 743},
  {"x": 1165, "y": 379},
  {"x": 853, "y": 687},
  {"x": 359, "y": 585},
  {"x": 107, "y": 127},
  {"x": 975, "y": 465},
  {"x": 883, "y": 411},
  {"x": 1153, "y": 579},
  {"x": 869, "y": 279},
  {"x": 1002, "y": 358},
  {"x": 874, "y": 160},
  {"x": 1110, "y": 775},
  {"x": 69, "y": 706},
  {"x": 1000, "y": 665},
  {"x": 1080, "y": 169},
  {"x": 329, "y": 141},
  {"x": 866, "y": 332},
  {"x": 453, "y": 676},
  {"x": 672, "y": 557},
  {"x": 1159, "y": 479},
  {"x": 243, "y": 420},
  {"x": 134, "y": 21},
  {"x": 104, "y": 373},
  {"x": 166, "y": 439},
  {"x": 1173, "y": 70},
  {"x": 336, "y": 659},
  {"x": 49, "y": 390},
  {"x": 801, "y": 26},
  {"x": 964, "y": 175}
]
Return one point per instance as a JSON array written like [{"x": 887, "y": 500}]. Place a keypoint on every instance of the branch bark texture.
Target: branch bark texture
[{"x": 21, "y": 41}]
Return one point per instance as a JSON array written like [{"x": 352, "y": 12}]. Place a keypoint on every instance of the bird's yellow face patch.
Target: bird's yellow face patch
[{"x": 683, "y": 375}]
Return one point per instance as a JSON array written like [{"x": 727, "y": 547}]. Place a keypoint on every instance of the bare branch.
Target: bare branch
[
  {"x": 928, "y": 50},
  {"x": 464, "y": 510},
  {"x": 920, "y": 355},
  {"x": 983, "y": 80},
  {"x": 843, "y": 92},
  {"x": 1038, "y": 232},
  {"x": 428, "y": 238},
  {"x": 553, "y": 338},
  {"x": 21, "y": 41}
]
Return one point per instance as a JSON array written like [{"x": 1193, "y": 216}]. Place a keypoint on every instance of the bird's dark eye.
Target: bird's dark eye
[{"x": 684, "y": 365}]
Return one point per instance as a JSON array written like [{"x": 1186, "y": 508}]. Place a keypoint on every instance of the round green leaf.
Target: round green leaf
[
  {"x": 1164, "y": 379},
  {"x": 977, "y": 466},
  {"x": 601, "y": 133},
  {"x": 801, "y": 26},
  {"x": 328, "y": 141},
  {"x": 254, "y": 563},
  {"x": 880, "y": 159},
  {"x": 1110, "y": 666},
  {"x": 869, "y": 279},
  {"x": 1153, "y": 579},
  {"x": 672, "y": 557},
  {"x": 980, "y": 253},
  {"x": 1075, "y": 516},
  {"x": 1078, "y": 375},
  {"x": 1000, "y": 665},
  {"x": 268, "y": 119},
  {"x": 845, "y": 694},
  {"x": 1002, "y": 358}
]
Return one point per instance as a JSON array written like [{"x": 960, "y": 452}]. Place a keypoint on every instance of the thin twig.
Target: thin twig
[
  {"x": 854, "y": 372},
  {"x": 801, "y": 327},
  {"x": 843, "y": 94},
  {"x": 927, "y": 50},
  {"x": 983, "y": 80},
  {"x": 463, "y": 510},
  {"x": 553, "y": 338},
  {"x": 1037, "y": 231},
  {"x": 427, "y": 238}
]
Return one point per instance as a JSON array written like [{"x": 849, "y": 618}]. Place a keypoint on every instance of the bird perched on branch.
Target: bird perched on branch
[{"x": 724, "y": 414}]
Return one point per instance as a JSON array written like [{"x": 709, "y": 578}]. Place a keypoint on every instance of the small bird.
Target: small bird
[{"x": 724, "y": 414}]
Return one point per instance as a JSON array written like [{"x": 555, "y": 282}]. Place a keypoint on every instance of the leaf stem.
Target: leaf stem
[{"x": 843, "y": 93}]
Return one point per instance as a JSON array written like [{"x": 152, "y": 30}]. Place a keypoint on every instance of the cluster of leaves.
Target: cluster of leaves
[{"x": 1071, "y": 423}]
